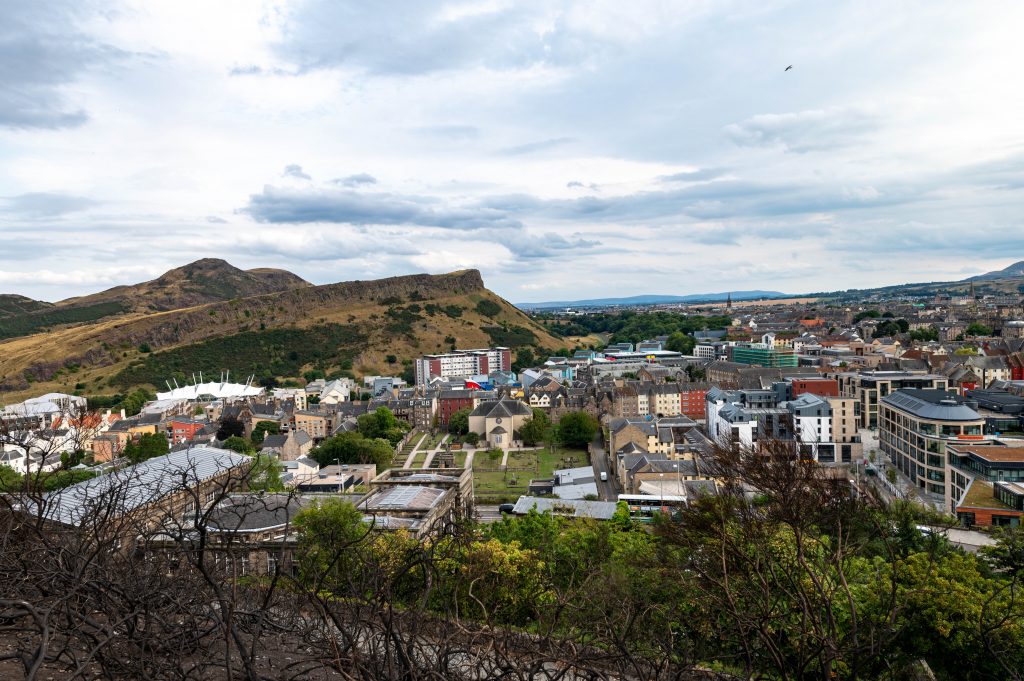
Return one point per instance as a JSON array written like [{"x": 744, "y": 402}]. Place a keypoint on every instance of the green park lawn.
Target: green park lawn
[{"x": 540, "y": 462}]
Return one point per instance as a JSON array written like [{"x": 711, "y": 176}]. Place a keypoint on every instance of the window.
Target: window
[{"x": 271, "y": 562}]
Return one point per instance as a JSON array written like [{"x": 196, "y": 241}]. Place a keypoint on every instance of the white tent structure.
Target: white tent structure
[{"x": 213, "y": 390}]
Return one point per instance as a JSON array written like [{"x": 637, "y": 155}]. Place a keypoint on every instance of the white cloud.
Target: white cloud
[{"x": 580, "y": 148}]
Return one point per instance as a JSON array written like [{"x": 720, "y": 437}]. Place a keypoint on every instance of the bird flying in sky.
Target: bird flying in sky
[{"x": 788, "y": 68}]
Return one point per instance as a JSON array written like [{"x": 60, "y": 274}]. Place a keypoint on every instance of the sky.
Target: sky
[{"x": 565, "y": 149}]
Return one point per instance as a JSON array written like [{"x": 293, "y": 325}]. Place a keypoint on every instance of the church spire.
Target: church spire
[{"x": 728, "y": 301}]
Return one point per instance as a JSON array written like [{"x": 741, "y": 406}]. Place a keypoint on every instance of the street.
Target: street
[{"x": 608, "y": 490}]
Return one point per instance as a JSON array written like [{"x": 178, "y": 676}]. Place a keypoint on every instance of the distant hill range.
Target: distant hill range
[
  {"x": 1007, "y": 281},
  {"x": 1016, "y": 270},
  {"x": 210, "y": 316},
  {"x": 653, "y": 300}
]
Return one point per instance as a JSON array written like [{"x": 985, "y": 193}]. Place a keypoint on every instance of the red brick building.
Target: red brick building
[
  {"x": 822, "y": 387},
  {"x": 691, "y": 398},
  {"x": 450, "y": 401}
]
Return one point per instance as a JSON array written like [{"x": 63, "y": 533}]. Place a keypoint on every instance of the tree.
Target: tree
[
  {"x": 262, "y": 428},
  {"x": 536, "y": 429},
  {"x": 977, "y": 329},
  {"x": 471, "y": 438},
  {"x": 927, "y": 333},
  {"x": 146, "y": 447},
  {"x": 680, "y": 342},
  {"x": 265, "y": 474},
  {"x": 695, "y": 373},
  {"x": 577, "y": 429},
  {"x": 524, "y": 359},
  {"x": 230, "y": 427},
  {"x": 240, "y": 445},
  {"x": 382, "y": 423},
  {"x": 353, "y": 448},
  {"x": 458, "y": 422}
]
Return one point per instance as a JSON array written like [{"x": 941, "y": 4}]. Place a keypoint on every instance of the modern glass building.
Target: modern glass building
[
  {"x": 762, "y": 354},
  {"x": 914, "y": 427}
]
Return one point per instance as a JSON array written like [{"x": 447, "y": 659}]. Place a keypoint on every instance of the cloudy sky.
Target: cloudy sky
[{"x": 566, "y": 149}]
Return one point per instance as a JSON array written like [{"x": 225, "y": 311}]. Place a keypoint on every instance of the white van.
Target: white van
[{"x": 604, "y": 476}]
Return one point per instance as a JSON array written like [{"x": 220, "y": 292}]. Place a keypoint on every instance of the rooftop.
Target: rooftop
[{"x": 937, "y": 405}]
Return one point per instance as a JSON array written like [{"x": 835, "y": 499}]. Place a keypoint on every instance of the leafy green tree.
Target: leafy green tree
[
  {"x": 146, "y": 447},
  {"x": 265, "y": 474},
  {"x": 577, "y": 429},
  {"x": 458, "y": 422},
  {"x": 680, "y": 342},
  {"x": 524, "y": 359},
  {"x": 61, "y": 479},
  {"x": 10, "y": 479},
  {"x": 471, "y": 439},
  {"x": 534, "y": 431},
  {"x": 134, "y": 402},
  {"x": 240, "y": 445},
  {"x": 977, "y": 329},
  {"x": 382, "y": 423},
  {"x": 329, "y": 531},
  {"x": 925, "y": 334},
  {"x": 353, "y": 448},
  {"x": 262, "y": 429}
]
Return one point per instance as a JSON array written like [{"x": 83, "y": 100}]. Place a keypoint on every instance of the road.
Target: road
[{"x": 606, "y": 491}]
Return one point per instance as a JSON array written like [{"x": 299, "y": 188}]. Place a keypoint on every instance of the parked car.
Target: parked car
[
  {"x": 604, "y": 476},
  {"x": 506, "y": 508}
]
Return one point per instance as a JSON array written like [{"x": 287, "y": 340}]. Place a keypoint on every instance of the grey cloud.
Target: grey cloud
[
  {"x": 285, "y": 205},
  {"x": 538, "y": 246},
  {"x": 356, "y": 180},
  {"x": 294, "y": 170},
  {"x": 45, "y": 204},
  {"x": 575, "y": 184},
  {"x": 533, "y": 147},
  {"x": 41, "y": 52},
  {"x": 804, "y": 131},
  {"x": 213, "y": 219}
]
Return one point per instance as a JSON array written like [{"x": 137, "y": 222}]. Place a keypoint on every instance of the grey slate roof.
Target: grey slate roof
[
  {"x": 577, "y": 508},
  {"x": 129, "y": 488},
  {"x": 937, "y": 405},
  {"x": 256, "y": 512}
]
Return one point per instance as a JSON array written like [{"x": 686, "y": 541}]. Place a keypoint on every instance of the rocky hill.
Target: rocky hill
[
  {"x": 203, "y": 281},
  {"x": 360, "y": 326}
]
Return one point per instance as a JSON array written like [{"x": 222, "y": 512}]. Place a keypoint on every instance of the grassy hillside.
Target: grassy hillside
[
  {"x": 11, "y": 305},
  {"x": 34, "y": 322},
  {"x": 355, "y": 326},
  {"x": 203, "y": 281}
]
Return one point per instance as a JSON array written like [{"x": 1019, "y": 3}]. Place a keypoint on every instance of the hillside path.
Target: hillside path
[{"x": 412, "y": 454}]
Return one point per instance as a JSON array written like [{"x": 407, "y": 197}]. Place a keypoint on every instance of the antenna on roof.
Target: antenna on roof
[
  {"x": 194, "y": 378},
  {"x": 175, "y": 382},
  {"x": 200, "y": 376},
  {"x": 228, "y": 379},
  {"x": 168, "y": 385}
]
